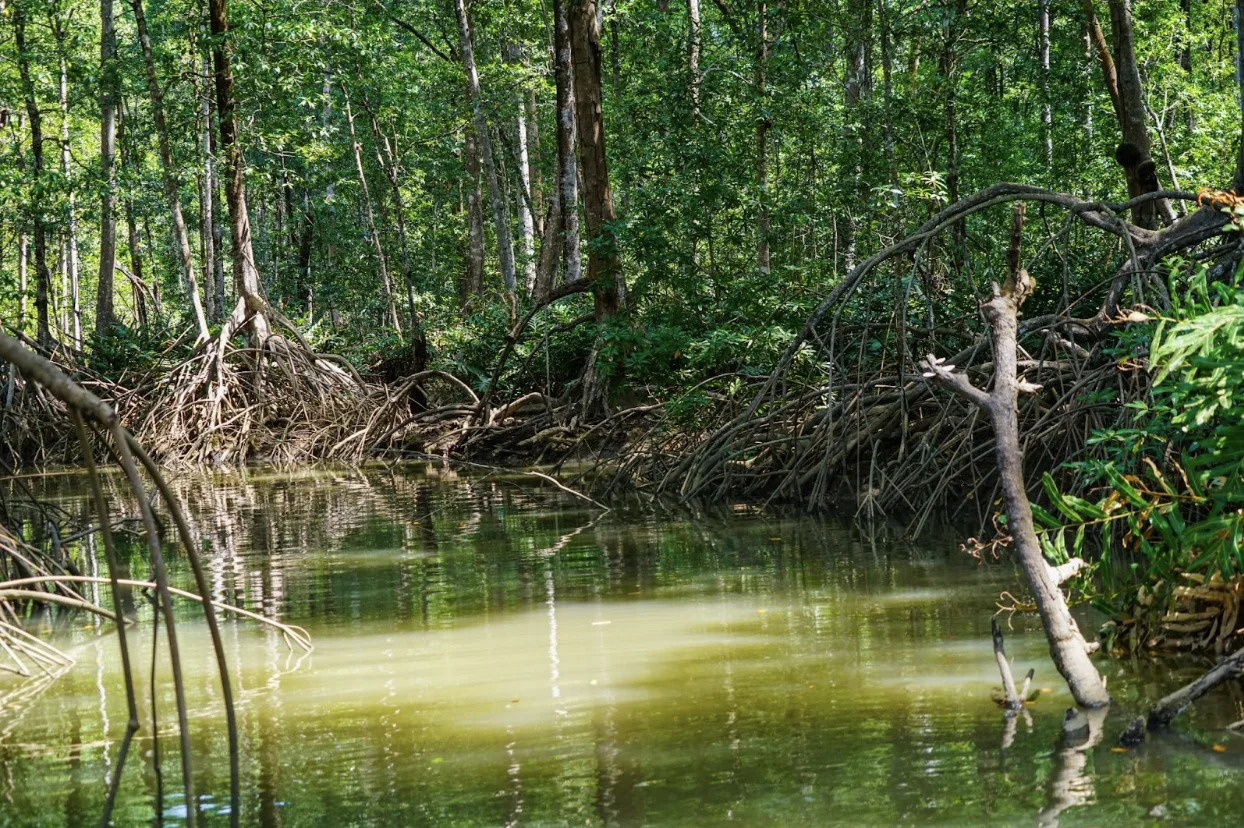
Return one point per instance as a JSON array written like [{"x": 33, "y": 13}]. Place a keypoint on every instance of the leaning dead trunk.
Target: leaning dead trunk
[{"x": 1068, "y": 648}]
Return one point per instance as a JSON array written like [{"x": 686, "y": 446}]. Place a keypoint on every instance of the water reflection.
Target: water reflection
[{"x": 491, "y": 653}]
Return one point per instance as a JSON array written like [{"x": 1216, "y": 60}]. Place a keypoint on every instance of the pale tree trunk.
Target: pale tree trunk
[
  {"x": 207, "y": 212},
  {"x": 567, "y": 163},
  {"x": 525, "y": 222},
  {"x": 1068, "y": 648},
  {"x": 762, "y": 143},
  {"x": 474, "y": 279},
  {"x": 526, "y": 200},
  {"x": 172, "y": 187},
  {"x": 216, "y": 282},
  {"x": 693, "y": 53},
  {"x": 533, "y": 162},
  {"x": 598, "y": 210},
  {"x": 1238, "y": 184},
  {"x": 104, "y": 314},
  {"x": 43, "y": 276},
  {"x": 23, "y": 257},
  {"x": 505, "y": 248},
  {"x": 1047, "y": 112},
  {"x": 71, "y": 263},
  {"x": 251, "y": 302},
  {"x": 369, "y": 217}
]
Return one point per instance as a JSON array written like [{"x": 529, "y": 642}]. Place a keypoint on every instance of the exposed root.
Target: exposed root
[{"x": 278, "y": 402}]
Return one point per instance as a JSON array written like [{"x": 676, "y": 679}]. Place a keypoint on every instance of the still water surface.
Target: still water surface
[{"x": 489, "y": 651}]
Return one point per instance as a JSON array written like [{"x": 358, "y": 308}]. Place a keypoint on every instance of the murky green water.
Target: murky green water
[{"x": 489, "y": 652}]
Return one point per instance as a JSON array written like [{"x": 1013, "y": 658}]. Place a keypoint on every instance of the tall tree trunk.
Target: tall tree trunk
[
  {"x": 598, "y": 211},
  {"x": 567, "y": 163},
  {"x": 207, "y": 207},
  {"x": 172, "y": 186},
  {"x": 526, "y": 202},
  {"x": 389, "y": 165},
  {"x": 533, "y": 162},
  {"x": 43, "y": 276},
  {"x": 1238, "y": 183},
  {"x": 954, "y": 14},
  {"x": 23, "y": 258},
  {"x": 505, "y": 248},
  {"x": 474, "y": 278},
  {"x": 1134, "y": 153},
  {"x": 1047, "y": 112},
  {"x": 251, "y": 303},
  {"x": 550, "y": 246},
  {"x": 137, "y": 292},
  {"x": 762, "y": 141},
  {"x": 693, "y": 53},
  {"x": 104, "y": 314},
  {"x": 369, "y": 217},
  {"x": 887, "y": 73},
  {"x": 215, "y": 284},
  {"x": 71, "y": 263}
]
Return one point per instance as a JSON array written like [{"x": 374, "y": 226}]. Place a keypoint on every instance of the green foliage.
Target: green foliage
[{"x": 1173, "y": 493}]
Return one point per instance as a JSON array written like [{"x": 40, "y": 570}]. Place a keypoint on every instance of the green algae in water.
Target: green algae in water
[{"x": 490, "y": 654}]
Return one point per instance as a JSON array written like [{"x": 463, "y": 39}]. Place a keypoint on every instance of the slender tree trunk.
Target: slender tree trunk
[
  {"x": 369, "y": 217},
  {"x": 137, "y": 293},
  {"x": 567, "y": 163},
  {"x": 550, "y": 246},
  {"x": 693, "y": 53},
  {"x": 887, "y": 72},
  {"x": 251, "y": 302},
  {"x": 533, "y": 162},
  {"x": 1238, "y": 183},
  {"x": 762, "y": 142},
  {"x": 215, "y": 303},
  {"x": 23, "y": 258},
  {"x": 950, "y": 77},
  {"x": 598, "y": 211},
  {"x": 1047, "y": 112},
  {"x": 474, "y": 284},
  {"x": 389, "y": 165},
  {"x": 172, "y": 186},
  {"x": 71, "y": 263},
  {"x": 136, "y": 266},
  {"x": 104, "y": 314},
  {"x": 505, "y": 248},
  {"x": 525, "y": 222},
  {"x": 43, "y": 276}
]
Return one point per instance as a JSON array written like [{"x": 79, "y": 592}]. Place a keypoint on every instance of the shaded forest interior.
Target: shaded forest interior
[{"x": 706, "y": 247}]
